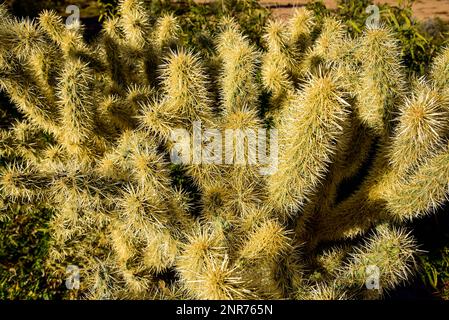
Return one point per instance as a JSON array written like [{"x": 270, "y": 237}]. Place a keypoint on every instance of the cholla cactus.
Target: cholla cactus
[{"x": 97, "y": 137}]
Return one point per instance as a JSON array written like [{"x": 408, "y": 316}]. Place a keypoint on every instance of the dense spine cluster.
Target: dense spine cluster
[{"x": 95, "y": 146}]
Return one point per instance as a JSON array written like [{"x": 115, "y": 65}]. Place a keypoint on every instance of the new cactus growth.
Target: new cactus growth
[{"x": 100, "y": 129}]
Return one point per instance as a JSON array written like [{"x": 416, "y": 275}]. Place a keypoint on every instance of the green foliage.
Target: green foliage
[
  {"x": 107, "y": 9},
  {"x": 420, "y": 41},
  {"x": 200, "y": 22},
  {"x": 24, "y": 244},
  {"x": 418, "y": 47},
  {"x": 435, "y": 271}
]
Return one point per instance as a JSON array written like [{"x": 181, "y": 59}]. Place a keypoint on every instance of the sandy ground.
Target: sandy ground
[{"x": 422, "y": 9}]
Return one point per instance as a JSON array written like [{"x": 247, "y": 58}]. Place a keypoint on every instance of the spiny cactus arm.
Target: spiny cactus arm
[
  {"x": 278, "y": 42},
  {"x": 268, "y": 241},
  {"x": 24, "y": 141},
  {"x": 45, "y": 69},
  {"x": 287, "y": 45},
  {"x": 179, "y": 206},
  {"x": 69, "y": 39},
  {"x": 247, "y": 189},
  {"x": 161, "y": 251},
  {"x": 241, "y": 128},
  {"x": 355, "y": 149},
  {"x": 288, "y": 272},
  {"x": 112, "y": 40},
  {"x": 423, "y": 191},
  {"x": 343, "y": 58},
  {"x": 8, "y": 144},
  {"x": 21, "y": 39},
  {"x": 277, "y": 63},
  {"x": 140, "y": 209},
  {"x": 126, "y": 65},
  {"x": 230, "y": 33},
  {"x": 67, "y": 225},
  {"x": 155, "y": 119},
  {"x": 382, "y": 81},
  {"x": 275, "y": 77},
  {"x": 330, "y": 260},
  {"x": 167, "y": 33},
  {"x": 323, "y": 50},
  {"x": 420, "y": 134},
  {"x": 51, "y": 157},
  {"x": 101, "y": 279},
  {"x": 76, "y": 103},
  {"x": 268, "y": 279},
  {"x": 300, "y": 28},
  {"x": 440, "y": 69},
  {"x": 171, "y": 291},
  {"x": 134, "y": 22},
  {"x": 422, "y": 128},
  {"x": 369, "y": 202},
  {"x": 78, "y": 185},
  {"x": 140, "y": 54},
  {"x": 220, "y": 280},
  {"x": 308, "y": 140},
  {"x": 21, "y": 182},
  {"x": 28, "y": 97},
  {"x": 352, "y": 149},
  {"x": 136, "y": 154},
  {"x": 320, "y": 202},
  {"x": 203, "y": 245},
  {"x": 137, "y": 95},
  {"x": 343, "y": 220},
  {"x": 216, "y": 201},
  {"x": 332, "y": 33},
  {"x": 148, "y": 167},
  {"x": 115, "y": 111},
  {"x": 133, "y": 103},
  {"x": 392, "y": 250},
  {"x": 387, "y": 195},
  {"x": 26, "y": 42},
  {"x": 122, "y": 110},
  {"x": 207, "y": 177},
  {"x": 142, "y": 244},
  {"x": 237, "y": 172},
  {"x": 134, "y": 282},
  {"x": 239, "y": 89},
  {"x": 322, "y": 291},
  {"x": 4, "y": 12},
  {"x": 185, "y": 84},
  {"x": 54, "y": 27}
]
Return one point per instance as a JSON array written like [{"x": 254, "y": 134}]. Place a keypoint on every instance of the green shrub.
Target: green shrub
[
  {"x": 420, "y": 41},
  {"x": 24, "y": 242},
  {"x": 435, "y": 271}
]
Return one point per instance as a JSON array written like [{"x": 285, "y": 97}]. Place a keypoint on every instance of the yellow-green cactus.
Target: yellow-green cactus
[{"x": 99, "y": 135}]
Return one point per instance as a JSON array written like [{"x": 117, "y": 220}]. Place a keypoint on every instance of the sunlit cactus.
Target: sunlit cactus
[
  {"x": 382, "y": 81},
  {"x": 97, "y": 145},
  {"x": 309, "y": 135}
]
